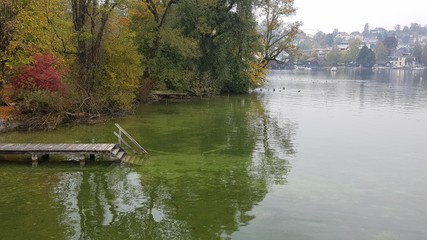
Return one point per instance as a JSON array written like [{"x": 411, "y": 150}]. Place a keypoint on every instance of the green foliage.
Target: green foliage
[
  {"x": 169, "y": 55},
  {"x": 40, "y": 102},
  {"x": 424, "y": 57},
  {"x": 350, "y": 55},
  {"x": 114, "y": 49},
  {"x": 277, "y": 36},
  {"x": 381, "y": 52},
  {"x": 121, "y": 67},
  {"x": 228, "y": 41},
  {"x": 333, "y": 57},
  {"x": 390, "y": 43},
  {"x": 366, "y": 57},
  {"x": 24, "y": 32},
  {"x": 417, "y": 52}
]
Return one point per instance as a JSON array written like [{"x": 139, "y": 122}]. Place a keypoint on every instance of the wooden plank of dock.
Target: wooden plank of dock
[{"x": 35, "y": 149}]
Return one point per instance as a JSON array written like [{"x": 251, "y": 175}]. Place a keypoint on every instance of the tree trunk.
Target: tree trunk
[{"x": 89, "y": 48}]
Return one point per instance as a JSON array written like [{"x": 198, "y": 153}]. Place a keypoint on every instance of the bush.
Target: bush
[
  {"x": 39, "y": 102},
  {"x": 44, "y": 74},
  {"x": 38, "y": 88}
]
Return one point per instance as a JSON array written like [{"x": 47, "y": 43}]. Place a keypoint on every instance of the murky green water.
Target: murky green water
[{"x": 323, "y": 156}]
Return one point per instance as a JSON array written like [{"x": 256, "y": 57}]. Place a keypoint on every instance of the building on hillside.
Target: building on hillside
[
  {"x": 401, "y": 59},
  {"x": 370, "y": 42},
  {"x": 356, "y": 35},
  {"x": 320, "y": 52},
  {"x": 344, "y": 45},
  {"x": 378, "y": 31},
  {"x": 343, "y": 36}
]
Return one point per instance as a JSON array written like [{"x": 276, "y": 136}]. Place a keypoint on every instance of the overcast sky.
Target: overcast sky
[{"x": 351, "y": 15}]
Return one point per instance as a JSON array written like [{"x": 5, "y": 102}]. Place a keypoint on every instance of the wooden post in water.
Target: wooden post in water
[
  {"x": 82, "y": 160},
  {"x": 34, "y": 160}
]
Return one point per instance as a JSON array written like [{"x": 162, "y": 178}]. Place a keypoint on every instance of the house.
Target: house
[
  {"x": 343, "y": 36},
  {"x": 370, "y": 42},
  {"x": 344, "y": 45},
  {"x": 320, "y": 52},
  {"x": 401, "y": 59},
  {"x": 356, "y": 35}
]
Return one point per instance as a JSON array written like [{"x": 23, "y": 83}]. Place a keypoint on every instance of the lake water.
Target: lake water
[{"x": 314, "y": 155}]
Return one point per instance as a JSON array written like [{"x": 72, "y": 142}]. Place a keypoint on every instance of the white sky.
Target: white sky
[{"x": 351, "y": 15}]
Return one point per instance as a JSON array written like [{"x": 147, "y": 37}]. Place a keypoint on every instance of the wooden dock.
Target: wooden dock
[
  {"x": 80, "y": 151},
  {"x": 114, "y": 151},
  {"x": 169, "y": 94}
]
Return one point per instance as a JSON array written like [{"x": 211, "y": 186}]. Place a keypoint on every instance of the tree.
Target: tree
[
  {"x": 333, "y": 57},
  {"x": 45, "y": 73},
  {"x": 277, "y": 36},
  {"x": 23, "y": 29},
  {"x": 320, "y": 39},
  {"x": 398, "y": 28},
  {"x": 9, "y": 10},
  {"x": 366, "y": 30},
  {"x": 424, "y": 58},
  {"x": 366, "y": 57},
  {"x": 122, "y": 68},
  {"x": 417, "y": 53},
  {"x": 329, "y": 39},
  {"x": 381, "y": 52},
  {"x": 229, "y": 42},
  {"x": 391, "y": 44},
  {"x": 39, "y": 91},
  {"x": 90, "y": 18},
  {"x": 351, "y": 54},
  {"x": 169, "y": 55}
]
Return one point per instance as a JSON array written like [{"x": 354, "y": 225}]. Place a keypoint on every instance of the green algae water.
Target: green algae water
[{"x": 314, "y": 155}]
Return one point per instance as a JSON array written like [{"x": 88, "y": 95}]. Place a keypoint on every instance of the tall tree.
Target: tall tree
[
  {"x": 366, "y": 57},
  {"x": 277, "y": 34},
  {"x": 9, "y": 10},
  {"x": 351, "y": 54},
  {"x": 424, "y": 58},
  {"x": 417, "y": 53},
  {"x": 333, "y": 57},
  {"x": 228, "y": 41},
  {"x": 329, "y": 39},
  {"x": 90, "y": 18},
  {"x": 163, "y": 44},
  {"x": 320, "y": 39},
  {"x": 366, "y": 30},
  {"x": 381, "y": 52},
  {"x": 25, "y": 28},
  {"x": 390, "y": 43}
]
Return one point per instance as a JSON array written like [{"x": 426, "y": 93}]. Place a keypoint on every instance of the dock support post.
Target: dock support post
[
  {"x": 34, "y": 160},
  {"x": 82, "y": 160}
]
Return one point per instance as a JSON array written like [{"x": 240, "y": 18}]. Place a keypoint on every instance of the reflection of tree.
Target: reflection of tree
[
  {"x": 105, "y": 205},
  {"x": 274, "y": 145},
  {"x": 205, "y": 191}
]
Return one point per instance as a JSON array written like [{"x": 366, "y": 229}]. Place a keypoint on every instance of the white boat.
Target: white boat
[
  {"x": 333, "y": 69},
  {"x": 418, "y": 68}
]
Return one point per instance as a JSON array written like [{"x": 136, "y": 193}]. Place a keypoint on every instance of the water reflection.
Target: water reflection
[{"x": 203, "y": 191}]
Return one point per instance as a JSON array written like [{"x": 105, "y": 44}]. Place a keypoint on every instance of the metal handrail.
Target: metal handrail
[{"x": 120, "y": 140}]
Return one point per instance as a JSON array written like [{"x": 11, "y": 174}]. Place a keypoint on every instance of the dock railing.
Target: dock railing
[{"x": 136, "y": 148}]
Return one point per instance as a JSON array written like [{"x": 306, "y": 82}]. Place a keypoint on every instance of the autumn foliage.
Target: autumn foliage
[{"x": 44, "y": 74}]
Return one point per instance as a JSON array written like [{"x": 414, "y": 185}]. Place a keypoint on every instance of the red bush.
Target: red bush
[{"x": 44, "y": 74}]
